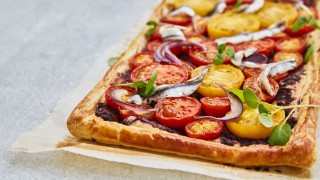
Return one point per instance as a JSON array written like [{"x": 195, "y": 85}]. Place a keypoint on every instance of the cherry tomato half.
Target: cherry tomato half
[
  {"x": 167, "y": 73},
  {"x": 249, "y": 126},
  {"x": 141, "y": 58},
  {"x": 179, "y": 19},
  {"x": 215, "y": 106},
  {"x": 201, "y": 58},
  {"x": 264, "y": 46},
  {"x": 128, "y": 92},
  {"x": 281, "y": 56},
  {"x": 291, "y": 44},
  {"x": 252, "y": 83},
  {"x": 204, "y": 129},
  {"x": 177, "y": 112}
]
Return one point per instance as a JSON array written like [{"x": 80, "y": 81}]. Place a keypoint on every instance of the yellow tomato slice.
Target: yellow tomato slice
[
  {"x": 227, "y": 75},
  {"x": 201, "y": 7},
  {"x": 272, "y": 12},
  {"x": 249, "y": 126},
  {"x": 230, "y": 24}
]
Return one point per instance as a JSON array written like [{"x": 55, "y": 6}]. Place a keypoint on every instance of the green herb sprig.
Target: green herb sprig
[
  {"x": 298, "y": 24},
  {"x": 153, "y": 25},
  {"x": 308, "y": 54},
  {"x": 238, "y": 4},
  {"x": 280, "y": 134},
  {"x": 223, "y": 51},
  {"x": 144, "y": 89}
]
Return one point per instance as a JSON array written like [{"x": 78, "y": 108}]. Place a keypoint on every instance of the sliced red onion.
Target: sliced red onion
[
  {"x": 164, "y": 54},
  {"x": 236, "y": 108},
  {"x": 124, "y": 105}
]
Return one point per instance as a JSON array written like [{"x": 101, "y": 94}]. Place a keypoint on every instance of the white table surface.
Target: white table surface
[{"x": 46, "y": 48}]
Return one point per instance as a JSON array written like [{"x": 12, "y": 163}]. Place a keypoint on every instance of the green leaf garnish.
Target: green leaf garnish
[
  {"x": 238, "y": 92},
  {"x": 280, "y": 135},
  {"x": 314, "y": 23},
  {"x": 223, "y": 50},
  {"x": 153, "y": 27},
  {"x": 251, "y": 98},
  {"x": 112, "y": 61},
  {"x": 151, "y": 92},
  {"x": 266, "y": 120},
  {"x": 218, "y": 59},
  {"x": 263, "y": 109},
  {"x": 308, "y": 54},
  {"x": 230, "y": 52},
  {"x": 151, "y": 82},
  {"x": 134, "y": 85},
  {"x": 238, "y": 3},
  {"x": 297, "y": 25}
]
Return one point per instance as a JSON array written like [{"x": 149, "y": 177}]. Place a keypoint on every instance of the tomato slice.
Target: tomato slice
[
  {"x": 291, "y": 44},
  {"x": 167, "y": 73},
  {"x": 215, "y": 106},
  {"x": 204, "y": 129},
  {"x": 153, "y": 45},
  {"x": 306, "y": 28},
  {"x": 156, "y": 35},
  {"x": 227, "y": 75},
  {"x": 252, "y": 83},
  {"x": 180, "y": 19},
  {"x": 201, "y": 58},
  {"x": 264, "y": 46},
  {"x": 177, "y": 112},
  {"x": 249, "y": 126},
  {"x": 251, "y": 72},
  {"x": 109, "y": 100},
  {"x": 141, "y": 58},
  {"x": 281, "y": 56},
  {"x": 272, "y": 12},
  {"x": 230, "y": 24}
]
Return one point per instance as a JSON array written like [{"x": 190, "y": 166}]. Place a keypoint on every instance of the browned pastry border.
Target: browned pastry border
[{"x": 300, "y": 151}]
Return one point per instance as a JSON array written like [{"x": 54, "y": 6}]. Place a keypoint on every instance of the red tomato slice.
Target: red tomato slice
[
  {"x": 251, "y": 72},
  {"x": 204, "y": 129},
  {"x": 281, "y": 56},
  {"x": 124, "y": 98},
  {"x": 180, "y": 19},
  {"x": 304, "y": 30},
  {"x": 153, "y": 45},
  {"x": 215, "y": 106},
  {"x": 264, "y": 46},
  {"x": 291, "y": 44},
  {"x": 141, "y": 58},
  {"x": 156, "y": 35},
  {"x": 177, "y": 112},
  {"x": 252, "y": 83},
  {"x": 167, "y": 73},
  {"x": 200, "y": 58},
  {"x": 233, "y": 2}
]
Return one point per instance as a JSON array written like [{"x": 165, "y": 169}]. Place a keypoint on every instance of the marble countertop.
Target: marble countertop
[{"x": 46, "y": 48}]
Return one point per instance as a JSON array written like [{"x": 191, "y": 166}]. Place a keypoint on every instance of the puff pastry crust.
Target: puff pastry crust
[{"x": 300, "y": 151}]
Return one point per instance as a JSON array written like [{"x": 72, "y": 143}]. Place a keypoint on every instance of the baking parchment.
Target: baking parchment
[{"x": 53, "y": 135}]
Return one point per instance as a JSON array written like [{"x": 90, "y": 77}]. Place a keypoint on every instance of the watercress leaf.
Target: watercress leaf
[
  {"x": 238, "y": 3},
  {"x": 230, "y": 51},
  {"x": 218, "y": 59},
  {"x": 222, "y": 48},
  {"x": 308, "y": 54},
  {"x": 142, "y": 91},
  {"x": 263, "y": 109},
  {"x": 266, "y": 120},
  {"x": 137, "y": 84},
  {"x": 280, "y": 135},
  {"x": 152, "y": 23},
  {"x": 112, "y": 61},
  {"x": 238, "y": 92},
  {"x": 297, "y": 25},
  {"x": 314, "y": 23},
  {"x": 150, "y": 31},
  {"x": 250, "y": 98},
  {"x": 151, "y": 81}
]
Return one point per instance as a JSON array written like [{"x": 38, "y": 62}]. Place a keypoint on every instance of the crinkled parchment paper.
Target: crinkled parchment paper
[{"x": 53, "y": 135}]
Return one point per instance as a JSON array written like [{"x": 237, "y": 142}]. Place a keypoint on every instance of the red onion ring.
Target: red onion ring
[{"x": 236, "y": 108}]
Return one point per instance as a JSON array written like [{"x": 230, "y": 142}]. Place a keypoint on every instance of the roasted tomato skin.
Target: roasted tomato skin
[
  {"x": 282, "y": 55},
  {"x": 252, "y": 83},
  {"x": 249, "y": 126},
  {"x": 204, "y": 129},
  {"x": 141, "y": 58},
  {"x": 180, "y": 20},
  {"x": 291, "y": 44},
  {"x": 167, "y": 73},
  {"x": 215, "y": 106},
  {"x": 251, "y": 72},
  {"x": 153, "y": 45},
  {"x": 177, "y": 112},
  {"x": 264, "y": 46},
  {"x": 110, "y": 101}
]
